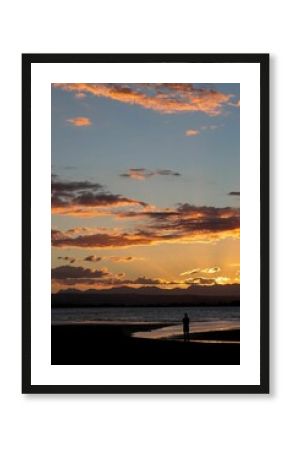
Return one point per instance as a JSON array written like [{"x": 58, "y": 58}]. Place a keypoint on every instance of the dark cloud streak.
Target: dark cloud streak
[
  {"x": 185, "y": 223},
  {"x": 84, "y": 197},
  {"x": 143, "y": 174},
  {"x": 70, "y": 272}
]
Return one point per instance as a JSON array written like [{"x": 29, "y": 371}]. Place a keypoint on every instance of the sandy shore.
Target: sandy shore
[
  {"x": 175, "y": 331},
  {"x": 114, "y": 344}
]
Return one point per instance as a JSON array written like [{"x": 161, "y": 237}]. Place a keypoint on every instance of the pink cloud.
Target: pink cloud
[
  {"x": 191, "y": 132},
  {"x": 80, "y": 121},
  {"x": 165, "y": 98}
]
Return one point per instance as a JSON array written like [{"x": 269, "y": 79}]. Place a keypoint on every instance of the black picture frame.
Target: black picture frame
[{"x": 27, "y": 61}]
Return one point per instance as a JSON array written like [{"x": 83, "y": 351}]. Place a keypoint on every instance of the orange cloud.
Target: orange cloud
[
  {"x": 210, "y": 281},
  {"x": 80, "y": 121},
  {"x": 124, "y": 259},
  {"x": 86, "y": 199},
  {"x": 191, "y": 132},
  {"x": 166, "y": 98},
  {"x": 68, "y": 275},
  {"x": 80, "y": 95},
  {"x": 190, "y": 272},
  {"x": 84, "y": 278},
  {"x": 237, "y": 104},
  {"x": 187, "y": 223},
  {"x": 142, "y": 174},
  {"x": 137, "y": 174},
  {"x": 211, "y": 270},
  {"x": 188, "y": 217},
  {"x": 69, "y": 259},
  {"x": 201, "y": 281},
  {"x": 72, "y": 273},
  {"x": 222, "y": 280},
  {"x": 75, "y": 211},
  {"x": 139, "y": 238},
  {"x": 207, "y": 270},
  {"x": 115, "y": 259},
  {"x": 93, "y": 258},
  {"x": 100, "y": 240},
  {"x": 72, "y": 276}
]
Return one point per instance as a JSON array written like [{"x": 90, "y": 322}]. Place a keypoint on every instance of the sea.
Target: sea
[{"x": 202, "y": 318}]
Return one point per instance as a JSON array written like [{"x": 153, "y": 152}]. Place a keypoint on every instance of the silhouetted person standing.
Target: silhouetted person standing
[{"x": 185, "y": 322}]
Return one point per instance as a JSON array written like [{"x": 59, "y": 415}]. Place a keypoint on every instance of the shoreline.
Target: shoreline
[{"x": 111, "y": 344}]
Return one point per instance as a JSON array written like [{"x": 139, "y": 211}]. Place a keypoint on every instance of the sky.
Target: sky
[{"x": 145, "y": 185}]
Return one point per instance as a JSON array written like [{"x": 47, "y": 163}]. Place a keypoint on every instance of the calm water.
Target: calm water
[
  {"x": 202, "y": 319},
  {"x": 223, "y": 314}
]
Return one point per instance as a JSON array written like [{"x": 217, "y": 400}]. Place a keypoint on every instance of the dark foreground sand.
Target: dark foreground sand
[
  {"x": 113, "y": 344},
  {"x": 227, "y": 336}
]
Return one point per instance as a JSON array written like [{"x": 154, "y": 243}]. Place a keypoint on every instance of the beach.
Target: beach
[{"x": 120, "y": 343}]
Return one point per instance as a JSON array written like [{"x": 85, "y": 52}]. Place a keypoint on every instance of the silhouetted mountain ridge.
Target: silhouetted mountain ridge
[
  {"x": 217, "y": 289},
  {"x": 149, "y": 296}
]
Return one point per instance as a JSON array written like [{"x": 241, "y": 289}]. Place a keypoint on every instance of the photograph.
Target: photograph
[
  {"x": 145, "y": 223},
  {"x": 145, "y": 204}
]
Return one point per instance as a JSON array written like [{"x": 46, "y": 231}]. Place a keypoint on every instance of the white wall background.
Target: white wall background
[{"x": 136, "y": 422}]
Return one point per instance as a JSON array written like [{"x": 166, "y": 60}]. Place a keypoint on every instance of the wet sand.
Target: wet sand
[
  {"x": 174, "y": 331},
  {"x": 100, "y": 344}
]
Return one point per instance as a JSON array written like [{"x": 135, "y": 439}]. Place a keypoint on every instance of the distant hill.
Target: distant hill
[{"x": 149, "y": 296}]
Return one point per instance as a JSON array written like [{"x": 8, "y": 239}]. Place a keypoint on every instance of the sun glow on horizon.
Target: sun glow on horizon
[{"x": 145, "y": 186}]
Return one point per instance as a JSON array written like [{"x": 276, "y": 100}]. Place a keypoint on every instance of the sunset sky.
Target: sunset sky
[{"x": 145, "y": 185}]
